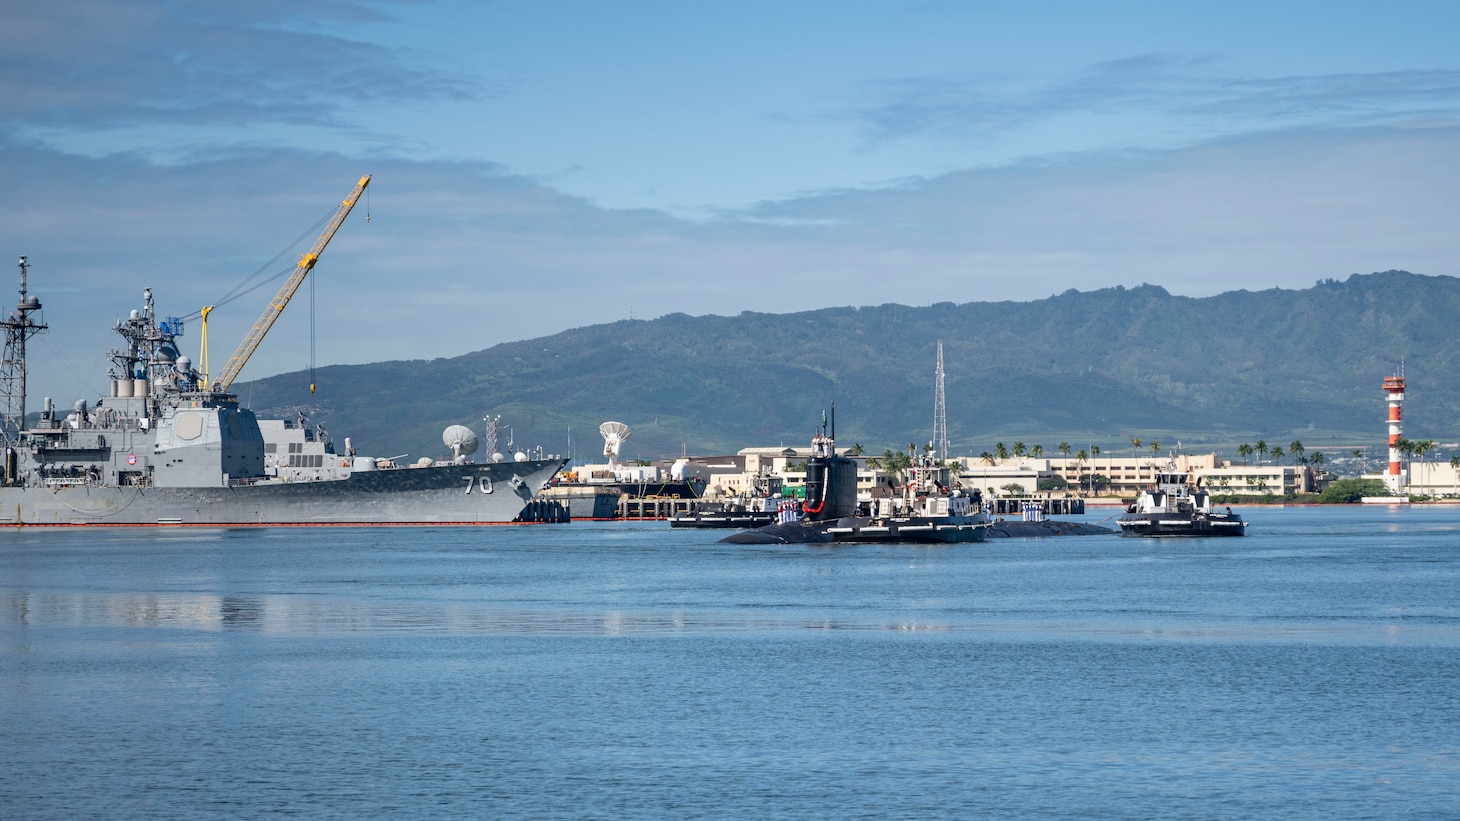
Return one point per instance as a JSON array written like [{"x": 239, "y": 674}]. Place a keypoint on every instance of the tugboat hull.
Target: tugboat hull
[
  {"x": 1165, "y": 524},
  {"x": 727, "y": 519}
]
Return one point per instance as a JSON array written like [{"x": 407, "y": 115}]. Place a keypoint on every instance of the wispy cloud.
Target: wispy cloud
[
  {"x": 1179, "y": 94},
  {"x": 1336, "y": 98},
  {"x": 96, "y": 64}
]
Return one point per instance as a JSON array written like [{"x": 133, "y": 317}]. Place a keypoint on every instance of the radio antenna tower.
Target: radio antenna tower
[
  {"x": 940, "y": 413},
  {"x": 493, "y": 425},
  {"x": 18, "y": 328}
]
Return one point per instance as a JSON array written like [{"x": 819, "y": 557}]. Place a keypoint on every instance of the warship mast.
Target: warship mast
[{"x": 19, "y": 327}]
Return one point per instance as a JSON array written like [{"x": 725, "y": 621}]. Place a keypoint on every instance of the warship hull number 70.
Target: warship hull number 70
[{"x": 167, "y": 448}]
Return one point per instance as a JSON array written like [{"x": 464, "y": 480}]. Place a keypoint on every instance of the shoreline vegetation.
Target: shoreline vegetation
[{"x": 1339, "y": 492}]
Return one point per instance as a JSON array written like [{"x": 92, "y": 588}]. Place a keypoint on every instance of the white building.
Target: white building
[
  {"x": 1432, "y": 479},
  {"x": 1279, "y": 480}
]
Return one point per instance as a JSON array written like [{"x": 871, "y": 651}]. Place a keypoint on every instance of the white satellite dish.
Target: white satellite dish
[
  {"x": 461, "y": 440},
  {"x": 614, "y": 434}
]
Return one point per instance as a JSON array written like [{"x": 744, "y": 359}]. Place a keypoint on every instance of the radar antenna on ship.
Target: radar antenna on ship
[
  {"x": 461, "y": 440},
  {"x": 614, "y": 434}
]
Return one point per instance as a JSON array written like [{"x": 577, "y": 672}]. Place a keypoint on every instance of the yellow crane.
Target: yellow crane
[{"x": 234, "y": 366}]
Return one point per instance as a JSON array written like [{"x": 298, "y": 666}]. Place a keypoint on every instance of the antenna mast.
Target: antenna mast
[
  {"x": 940, "y": 413},
  {"x": 18, "y": 328}
]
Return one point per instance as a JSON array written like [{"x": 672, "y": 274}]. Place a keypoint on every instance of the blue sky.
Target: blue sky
[{"x": 542, "y": 166}]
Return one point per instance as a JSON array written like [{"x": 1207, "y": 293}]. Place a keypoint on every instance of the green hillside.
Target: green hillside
[{"x": 1097, "y": 367}]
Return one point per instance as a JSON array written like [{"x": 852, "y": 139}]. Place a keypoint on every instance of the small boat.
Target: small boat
[
  {"x": 1171, "y": 508},
  {"x": 723, "y": 514},
  {"x": 758, "y": 506}
]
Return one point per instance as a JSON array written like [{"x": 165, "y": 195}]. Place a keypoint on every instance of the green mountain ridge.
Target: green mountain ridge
[{"x": 1098, "y": 367}]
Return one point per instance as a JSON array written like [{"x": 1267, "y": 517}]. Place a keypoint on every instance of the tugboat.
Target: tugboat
[
  {"x": 1169, "y": 508},
  {"x": 927, "y": 511},
  {"x": 756, "y": 507}
]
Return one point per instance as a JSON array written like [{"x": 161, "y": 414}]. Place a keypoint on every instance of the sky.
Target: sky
[{"x": 540, "y": 166}]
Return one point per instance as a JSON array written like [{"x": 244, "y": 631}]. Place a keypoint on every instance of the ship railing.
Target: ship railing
[{"x": 65, "y": 481}]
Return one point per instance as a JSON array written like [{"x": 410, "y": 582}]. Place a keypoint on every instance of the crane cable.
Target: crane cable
[
  {"x": 244, "y": 288},
  {"x": 311, "y": 336}
]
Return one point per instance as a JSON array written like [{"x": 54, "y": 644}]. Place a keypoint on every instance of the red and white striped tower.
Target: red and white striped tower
[{"x": 1394, "y": 392}]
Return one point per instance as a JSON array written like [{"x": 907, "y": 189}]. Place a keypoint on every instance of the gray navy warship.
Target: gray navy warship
[{"x": 169, "y": 447}]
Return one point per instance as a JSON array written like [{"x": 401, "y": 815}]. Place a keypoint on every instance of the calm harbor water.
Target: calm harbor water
[{"x": 619, "y": 670}]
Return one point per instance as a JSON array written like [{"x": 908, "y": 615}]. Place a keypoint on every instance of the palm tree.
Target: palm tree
[
  {"x": 1261, "y": 450},
  {"x": 855, "y": 449},
  {"x": 1001, "y": 451},
  {"x": 1455, "y": 466},
  {"x": 1296, "y": 448},
  {"x": 1134, "y": 444},
  {"x": 1422, "y": 448},
  {"x": 895, "y": 463},
  {"x": 1064, "y": 449},
  {"x": 986, "y": 457},
  {"x": 1276, "y": 453},
  {"x": 1036, "y": 451},
  {"x": 1155, "y": 448},
  {"x": 1244, "y": 450},
  {"x": 1019, "y": 449},
  {"x": 1405, "y": 448}
]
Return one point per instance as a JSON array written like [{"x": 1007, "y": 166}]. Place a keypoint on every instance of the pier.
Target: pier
[{"x": 653, "y": 507}]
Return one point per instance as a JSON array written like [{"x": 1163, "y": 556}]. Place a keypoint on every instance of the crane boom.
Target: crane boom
[{"x": 255, "y": 335}]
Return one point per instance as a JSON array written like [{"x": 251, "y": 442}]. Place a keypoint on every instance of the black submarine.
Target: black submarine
[{"x": 929, "y": 511}]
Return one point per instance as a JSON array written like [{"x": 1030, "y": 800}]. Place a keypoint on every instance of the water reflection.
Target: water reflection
[
  {"x": 309, "y": 616},
  {"x": 241, "y": 612}
]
